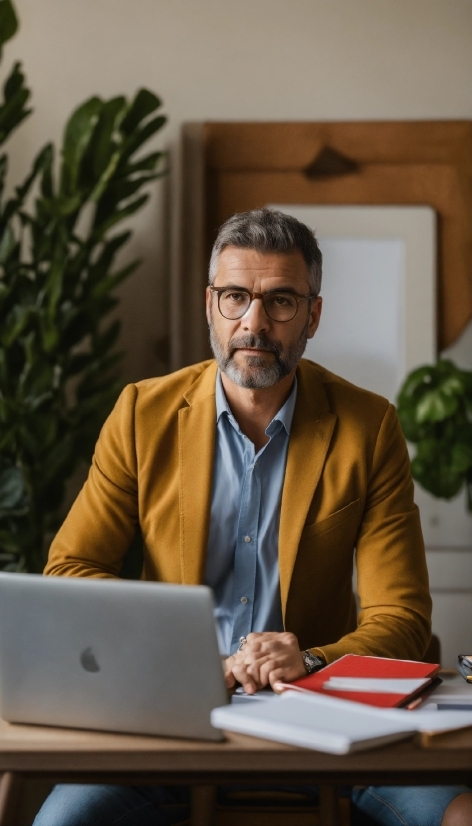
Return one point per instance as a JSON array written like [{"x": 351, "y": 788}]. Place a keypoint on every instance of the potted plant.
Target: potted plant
[
  {"x": 435, "y": 411},
  {"x": 58, "y": 357}
]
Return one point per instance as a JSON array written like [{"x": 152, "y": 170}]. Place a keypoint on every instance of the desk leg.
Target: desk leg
[
  {"x": 203, "y": 805},
  {"x": 329, "y": 806},
  {"x": 10, "y": 789}
]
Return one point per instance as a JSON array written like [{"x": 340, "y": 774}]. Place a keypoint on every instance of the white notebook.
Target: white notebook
[{"x": 331, "y": 725}]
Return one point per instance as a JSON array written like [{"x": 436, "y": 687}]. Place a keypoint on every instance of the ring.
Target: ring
[{"x": 242, "y": 643}]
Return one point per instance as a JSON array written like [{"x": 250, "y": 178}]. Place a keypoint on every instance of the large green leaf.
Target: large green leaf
[
  {"x": 110, "y": 283},
  {"x": 36, "y": 379},
  {"x": 7, "y": 245},
  {"x": 44, "y": 157},
  {"x": 146, "y": 164},
  {"x": 77, "y": 136},
  {"x": 13, "y": 109},
  {"x": 100, "y": 268},
  {"x": 13, "y": 494},
  {"x": 118, "y": 215},
  {"x": 461, "y": 457},
  {"x": 102, "y": 184},
  {"x": 143, "y": 105},
  {"x": 38, "y": 432},
  {"x": 104, "y": 143},
  {"x": 436, "y": 406},
  {"x": 8, "y": 22},
  {"x": 14, "y": 324},
  {"x": 49, "y": 333},
  {"x": 138, "y": 138}
]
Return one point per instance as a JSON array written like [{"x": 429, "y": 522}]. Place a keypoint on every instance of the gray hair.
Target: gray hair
[{"x": 268, "y": 230}]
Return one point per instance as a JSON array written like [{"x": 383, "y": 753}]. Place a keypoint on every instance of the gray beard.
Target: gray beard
[{"x": 257, "y": 374}]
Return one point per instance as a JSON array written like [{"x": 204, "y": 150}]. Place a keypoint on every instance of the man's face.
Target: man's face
[{"x": 254, "y": 351}]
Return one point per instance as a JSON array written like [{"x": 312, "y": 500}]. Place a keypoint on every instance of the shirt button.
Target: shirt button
[
  {"x": 244, "y": 600},
  {"x": 247, "y": 538}
]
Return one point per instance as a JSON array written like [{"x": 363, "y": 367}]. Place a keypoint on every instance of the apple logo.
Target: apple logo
[{"x": 88, "y": 661}]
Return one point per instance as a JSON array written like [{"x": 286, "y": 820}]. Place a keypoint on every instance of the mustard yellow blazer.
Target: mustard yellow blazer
[{"x": 347, "y": 491}]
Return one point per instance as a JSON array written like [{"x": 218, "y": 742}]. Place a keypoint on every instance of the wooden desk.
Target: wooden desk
[{"x": 66, "y": 755}]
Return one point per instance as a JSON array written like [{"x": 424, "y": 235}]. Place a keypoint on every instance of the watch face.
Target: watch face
[{"x": 312, "y": 663}]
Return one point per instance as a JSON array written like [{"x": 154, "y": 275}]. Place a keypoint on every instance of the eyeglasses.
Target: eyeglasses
[{"x": 234, "y": 303}]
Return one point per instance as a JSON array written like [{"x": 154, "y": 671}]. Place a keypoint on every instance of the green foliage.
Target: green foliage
[
  {"x": 8, "y": 22},
  {"x": 58, "y": 358},
  {"x": 435, "y": 411}
]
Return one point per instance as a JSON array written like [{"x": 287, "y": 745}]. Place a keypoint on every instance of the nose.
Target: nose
[{"x": 255, "y": 319}]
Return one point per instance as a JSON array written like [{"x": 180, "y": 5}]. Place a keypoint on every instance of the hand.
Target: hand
[{"x": 264, "y": 659}]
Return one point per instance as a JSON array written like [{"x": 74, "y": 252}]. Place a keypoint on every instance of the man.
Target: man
[{"x": 259, "y": 474}]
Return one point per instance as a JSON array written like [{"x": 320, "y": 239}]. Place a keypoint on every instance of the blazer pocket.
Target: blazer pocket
[{"x": 331, "y": 521}]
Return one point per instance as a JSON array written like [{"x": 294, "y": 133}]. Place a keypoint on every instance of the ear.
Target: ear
[
  {"x": 208, "y": 297},
  {"x": 315, "y": 315}
]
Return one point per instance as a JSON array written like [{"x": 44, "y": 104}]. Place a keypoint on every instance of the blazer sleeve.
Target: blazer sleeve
[
  {"x": 101, "y": 523},
  {"x": 392, "y": 577}
]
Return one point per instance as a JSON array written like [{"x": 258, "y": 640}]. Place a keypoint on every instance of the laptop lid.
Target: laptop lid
[{"x": 114, "y": 655}]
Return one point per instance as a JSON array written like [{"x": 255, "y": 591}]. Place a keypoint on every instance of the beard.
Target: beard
[{"x": 256, "y": 373}]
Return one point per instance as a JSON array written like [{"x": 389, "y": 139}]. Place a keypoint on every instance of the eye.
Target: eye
[
  {"x": 281, "y": 300},
  {"x": 234, "y": 296}
]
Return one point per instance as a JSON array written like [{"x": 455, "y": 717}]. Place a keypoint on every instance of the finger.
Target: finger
[
  {"x": 268, "y": 668},
  {"x": 258, "y": 637},
  {"x": 260, "y": 671},
  {"x": 252, "y": 644},
  {"x": 230, "y": 681},
  {"x": 254, "y": 671},
  {"x": 248, "y": 683},
  {"x": 278, "y": 675}
]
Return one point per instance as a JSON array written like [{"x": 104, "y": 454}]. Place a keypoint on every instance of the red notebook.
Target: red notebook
[{"x": 347, "y": 674}]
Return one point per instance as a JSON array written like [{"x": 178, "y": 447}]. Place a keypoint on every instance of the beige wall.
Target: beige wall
[{"x": 233, "y": 59}]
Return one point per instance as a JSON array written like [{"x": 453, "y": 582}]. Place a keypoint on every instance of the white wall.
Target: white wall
[{"x": 235, "y": 60}]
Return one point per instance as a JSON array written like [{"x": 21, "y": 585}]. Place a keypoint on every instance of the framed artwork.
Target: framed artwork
[{"x": 379, "y": 291}]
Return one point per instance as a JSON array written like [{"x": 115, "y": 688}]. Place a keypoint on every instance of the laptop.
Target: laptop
[{"x": 114, "y": 655}]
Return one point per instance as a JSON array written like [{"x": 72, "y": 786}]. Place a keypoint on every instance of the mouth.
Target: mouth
[{"x": 252, "y": 351}]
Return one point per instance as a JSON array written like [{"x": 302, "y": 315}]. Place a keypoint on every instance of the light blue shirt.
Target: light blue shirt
[{"x": 242, "y": 555}]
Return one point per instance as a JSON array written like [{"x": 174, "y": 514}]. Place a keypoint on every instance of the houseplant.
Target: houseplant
[
  {"x": 58, "y": 359},
  {"x": 435, "y": 411}
]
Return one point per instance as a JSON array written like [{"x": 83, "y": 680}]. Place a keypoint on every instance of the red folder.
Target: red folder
[{"x": 354, "y": 665}]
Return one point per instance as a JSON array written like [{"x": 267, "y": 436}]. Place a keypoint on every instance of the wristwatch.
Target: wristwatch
[{"x": 312, "y": 663}]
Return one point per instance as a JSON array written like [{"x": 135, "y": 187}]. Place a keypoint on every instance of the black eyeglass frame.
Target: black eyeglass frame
[{"x": 297, "y": 296}]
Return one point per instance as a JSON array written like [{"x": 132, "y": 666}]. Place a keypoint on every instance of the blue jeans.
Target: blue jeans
[
  {"x": 100, "y": 805},
  {"x": 406, "y": 805}
]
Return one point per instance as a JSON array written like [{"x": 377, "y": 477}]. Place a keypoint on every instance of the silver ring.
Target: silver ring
[{"x": 242, "y": 643}]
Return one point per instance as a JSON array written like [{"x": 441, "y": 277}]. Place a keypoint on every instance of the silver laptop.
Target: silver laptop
[{"x": 109, "y": 654}]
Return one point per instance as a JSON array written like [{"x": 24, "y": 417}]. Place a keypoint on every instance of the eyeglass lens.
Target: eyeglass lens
[{"x": 278, "y": 306}]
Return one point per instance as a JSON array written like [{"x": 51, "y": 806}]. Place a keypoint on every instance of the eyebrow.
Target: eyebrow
[{"x": 290, "y": 290}]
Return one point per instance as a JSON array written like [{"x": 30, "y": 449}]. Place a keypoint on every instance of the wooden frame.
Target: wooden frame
[{"x": 233, "y": 167}]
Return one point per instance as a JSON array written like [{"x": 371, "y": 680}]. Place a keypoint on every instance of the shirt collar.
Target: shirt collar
[{"x": 284, "y": 415}]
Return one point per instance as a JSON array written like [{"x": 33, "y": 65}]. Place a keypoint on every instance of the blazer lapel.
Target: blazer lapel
[
  {"x": 310, "y": 436},
  {"x": 197, "y": 425}
]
